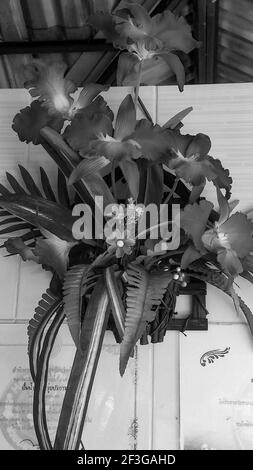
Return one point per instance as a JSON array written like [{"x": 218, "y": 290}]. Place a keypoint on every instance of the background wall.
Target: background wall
[{"x": 170, "y": 397}]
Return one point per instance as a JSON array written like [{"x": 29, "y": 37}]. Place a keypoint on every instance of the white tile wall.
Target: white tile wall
[{"x": 163, "y": 391}]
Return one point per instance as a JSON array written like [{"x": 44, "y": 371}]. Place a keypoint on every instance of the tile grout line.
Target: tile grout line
[
  {"x": 180, "y": 430},
  {"x": 17, "y": 291}
]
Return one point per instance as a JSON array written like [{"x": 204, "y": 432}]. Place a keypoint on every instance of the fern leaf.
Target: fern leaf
[
  {"x": 72, "y": 289},
  {"x": 47, "y": 307},
  {"x": 144, "y": 294}
]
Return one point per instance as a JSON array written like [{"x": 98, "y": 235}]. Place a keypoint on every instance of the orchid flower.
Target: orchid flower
[
  {"x": 150, "y": 41},
  {"x": 93, "y": 135},
  {"x": 121, "y": 246},
  {"x": 231, "y": 238},
  {"x": 47, "y": 82},
  {"x": 190, "y": 160}
]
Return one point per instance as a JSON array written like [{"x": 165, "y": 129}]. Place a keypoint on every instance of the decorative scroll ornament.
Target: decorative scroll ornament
[{"x": 210, "y": 356}]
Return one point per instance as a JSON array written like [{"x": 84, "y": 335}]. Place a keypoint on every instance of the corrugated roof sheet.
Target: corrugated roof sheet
[
  {"x": 235, "y": 41},
  {"x": 31, "y": 20}
]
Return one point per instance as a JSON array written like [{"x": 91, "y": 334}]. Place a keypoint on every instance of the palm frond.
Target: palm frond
[
  {"x": 16, "y": 224},
  {"x": 47, "y": 307},
  {"x": 145, "y": 292}
]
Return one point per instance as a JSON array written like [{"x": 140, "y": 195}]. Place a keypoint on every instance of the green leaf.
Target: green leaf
[
  {"x": 88, "y": 171},
  {"x": 47, "y": 188},
  {"x": 63, "y": 194},
  {"x": 41, "y": 213},
  {"x": 29, "y": 122},
  {"x": 29, "y": 182},
  {"x": 15, "y": 184},
  {"x": 117, "y": 306},
  {"x": 79, "y": 387},
  {"x": 194, "y": 219},
  {"x": 247, "y": 312},
  {"x": 172, "y": 123},
  {"x": 145, "y": 292}
]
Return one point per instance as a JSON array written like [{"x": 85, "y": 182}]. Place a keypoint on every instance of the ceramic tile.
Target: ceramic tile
[
  {"x": 9, "y": 278},
  {"x": 111, "y": 420},
  {"x": 216, "y": 388}
]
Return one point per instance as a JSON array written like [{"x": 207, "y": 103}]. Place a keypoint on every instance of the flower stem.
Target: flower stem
[
  {"x": 114, "y": 189},
  {"x": 137, "y": 88}
]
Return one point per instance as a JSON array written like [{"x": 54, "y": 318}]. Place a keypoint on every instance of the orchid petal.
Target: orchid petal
[
  {"x": 230, "y": 262},
  {"x": 200, "y": 145},
  {"x": 105, "y": 22},
  {"x": 83, "y": 129},
  {"x": 224, "y": 207},
  {"x": 190, "y": 255},
  {"x": 133, "y": 21},
  {"x": 29, "y": 122},
  {"x": 222, "y": 176},
  {"x": 114, "y": 149},
  {"x": 89, "y": 92},
  {"x": 174, "y": 32},
  {"x": 88, "y": 167},
  {"x": 47, "y": 82},
  {"x": 247, "y": 263},
  {"x": 126, "y": 119},
  {"x": 152, "y": 139},
  {"x": 239, "y": 231},
  {"x": 126, "y": 68},
  {"x": 176, "y": 66},
  {"x": 193, "y": 221}
]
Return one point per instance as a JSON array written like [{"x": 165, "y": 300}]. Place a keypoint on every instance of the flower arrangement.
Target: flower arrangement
[{"x": 118, "y": 246}]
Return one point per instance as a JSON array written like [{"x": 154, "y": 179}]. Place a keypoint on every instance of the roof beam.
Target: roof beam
[{"x": 47, "y": 47}]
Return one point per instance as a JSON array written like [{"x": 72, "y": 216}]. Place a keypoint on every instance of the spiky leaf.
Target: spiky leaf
[
  {"x": 47, "y": 307},
  {"x": 145, "y": 292}
]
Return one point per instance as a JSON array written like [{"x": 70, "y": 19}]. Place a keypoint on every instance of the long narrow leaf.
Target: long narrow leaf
[
  {"x": 63, "y": 194},
  {"x": 15, "y": 184},
  {"x": 29, "y": 182},
  {"x": 82, "y": 375},
  {"x": 48, "y": 306},
  {"x": 41, "y": 213},
  {"x": 39, "y": 400},
  {"x": 118, "y": 309},
  {"x": 177, "y": 119},
  {"x": 47, "y": 188},
  {"x": 72, "y": 289}
]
